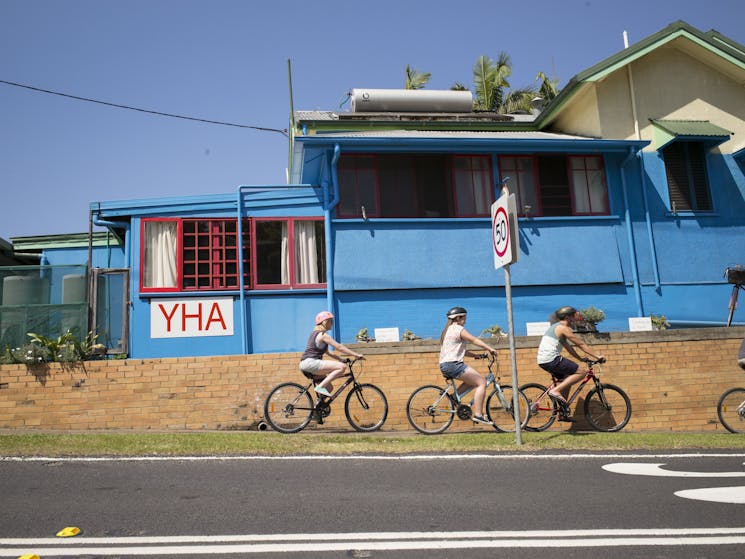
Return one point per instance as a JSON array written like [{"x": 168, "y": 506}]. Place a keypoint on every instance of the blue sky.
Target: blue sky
[{"x": 226, "y": 60}]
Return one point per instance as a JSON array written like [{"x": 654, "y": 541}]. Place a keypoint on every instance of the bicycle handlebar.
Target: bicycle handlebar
[{"x": 591, "y": 362}]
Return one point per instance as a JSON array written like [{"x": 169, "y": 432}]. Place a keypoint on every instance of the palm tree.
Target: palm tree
[
  {"x": 490, "y": 81},
  {"x": 491, "y": 87},
  {"x": 415, "y": 79},
  {"x": 518, "y": 101},
  {"x": 549, "y": 88}
]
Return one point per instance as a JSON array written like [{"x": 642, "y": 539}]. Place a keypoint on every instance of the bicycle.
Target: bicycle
[
  {"x": 735, "y": 276},
  {"x": 731, "y": 410},
  {"x": 289, "y": 407},
  {"x": 431, "y": 409},
  {"x": 607, "y": 408}
]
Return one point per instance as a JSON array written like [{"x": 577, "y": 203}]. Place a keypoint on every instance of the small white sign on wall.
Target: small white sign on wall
[
  {"x": 191, "y": 317},
  {"x": 386, "y": 335},
  {"x": 537, "y": 328},
  {"x": 640, "y": 323}
]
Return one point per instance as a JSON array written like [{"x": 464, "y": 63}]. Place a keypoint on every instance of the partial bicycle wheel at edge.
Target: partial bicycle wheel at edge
[
  {"x": 288, "y": 407},
  {"x": 366, "y": 407},
  {"x": 731, "y": 410},
  {"x": 609, "y": 411},
  {"x": 430, "y": 410}
]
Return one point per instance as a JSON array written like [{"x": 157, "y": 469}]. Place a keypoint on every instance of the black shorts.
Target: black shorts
[{"x": 560, "y": 367}]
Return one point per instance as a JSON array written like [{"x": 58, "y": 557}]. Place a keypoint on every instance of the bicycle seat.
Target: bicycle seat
[{"x": 308, "y": 374}]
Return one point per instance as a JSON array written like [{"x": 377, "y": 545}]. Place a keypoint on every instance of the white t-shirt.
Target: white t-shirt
[{"x": 453, "y": 347}]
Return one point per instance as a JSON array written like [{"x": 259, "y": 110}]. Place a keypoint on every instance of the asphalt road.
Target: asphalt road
[{"x": 558, "y": 505}]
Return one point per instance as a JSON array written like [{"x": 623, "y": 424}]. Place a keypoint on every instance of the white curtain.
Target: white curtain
[
  {"x": 306, "y": 255},
  {"x": 159, "y": 262},
  {"x": 285, "y": 255}
]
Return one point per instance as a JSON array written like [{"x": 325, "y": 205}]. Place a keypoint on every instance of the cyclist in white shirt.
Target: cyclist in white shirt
[{"x": 453, "y": 342}]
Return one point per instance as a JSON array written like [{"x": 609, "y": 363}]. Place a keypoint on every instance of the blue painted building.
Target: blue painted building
[{"x": 630, "y": 194}]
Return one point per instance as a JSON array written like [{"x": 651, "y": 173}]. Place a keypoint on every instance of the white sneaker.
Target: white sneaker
[
  {"x": 322, "y": 391},
  {"x": 481, "y": 419}
]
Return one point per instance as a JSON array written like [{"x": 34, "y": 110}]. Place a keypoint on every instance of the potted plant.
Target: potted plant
[
  {"x": 659, "y": 321},
  {"x": 591, "y": 316},
  {"x": 410, "y": 336},
  {"x": 494, "y": 331},
  {"x": 362, "y": 336}
]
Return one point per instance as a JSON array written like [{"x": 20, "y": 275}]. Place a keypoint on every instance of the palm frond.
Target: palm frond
[
  {"x": 484, "y": 75},
  {"x": 416, "y": 79}
]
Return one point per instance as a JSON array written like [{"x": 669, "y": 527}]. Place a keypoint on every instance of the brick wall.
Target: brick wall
[{"x": 674, "y": 379}]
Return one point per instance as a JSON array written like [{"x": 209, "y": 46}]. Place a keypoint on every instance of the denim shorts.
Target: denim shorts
[
  {"x": 453, "y": 369},
  {"x": 560, "y": 367}
]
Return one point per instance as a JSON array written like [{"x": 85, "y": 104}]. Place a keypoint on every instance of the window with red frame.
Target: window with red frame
[
  {"x": 415, "y": 185},
  {"x": 557, "y": 184},
  {"x": 202, "y": 254}
]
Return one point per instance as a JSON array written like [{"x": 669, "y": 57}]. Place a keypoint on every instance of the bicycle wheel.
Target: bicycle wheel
[
  {"x": 430, "y": 410},
  {"x": 731, "y": 410},
  {"x": 543, "y": 410},
  {"x": 366, "y": 407},
  {"x": 607, "y": 408},
  {"x": 288, "y": 408},
  {"x": 502, "y": 413}
]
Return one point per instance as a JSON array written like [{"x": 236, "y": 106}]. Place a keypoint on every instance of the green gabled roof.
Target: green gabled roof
[{"x": 712, "y": 41}]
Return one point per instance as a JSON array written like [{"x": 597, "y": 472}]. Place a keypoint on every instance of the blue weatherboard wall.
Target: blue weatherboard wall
[{"x": 406, "y": 273}]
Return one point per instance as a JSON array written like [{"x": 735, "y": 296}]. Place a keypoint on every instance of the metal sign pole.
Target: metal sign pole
[{"x": 513, "y": 356}]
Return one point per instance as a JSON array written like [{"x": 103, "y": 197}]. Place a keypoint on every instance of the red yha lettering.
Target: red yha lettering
[
  {"x": 167, "y": 316},
  {"x": 215, "y": 316}
]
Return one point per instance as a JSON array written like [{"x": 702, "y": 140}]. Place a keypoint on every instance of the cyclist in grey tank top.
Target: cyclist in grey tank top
[{"x": 312, "y": 363}]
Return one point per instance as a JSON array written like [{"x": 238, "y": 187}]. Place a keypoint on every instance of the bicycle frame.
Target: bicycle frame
[
  {"x": 589, "y": 375},
  {"x": 491, "y": 379}
]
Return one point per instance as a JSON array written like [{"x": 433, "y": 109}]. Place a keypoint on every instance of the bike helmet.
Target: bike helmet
[
  {"x": 456, "y": 311},
  {"x": 565, "y": 312},
  {"x": 323, "y": 315}
]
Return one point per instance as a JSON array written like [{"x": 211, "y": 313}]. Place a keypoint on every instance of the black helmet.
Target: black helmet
[
  {"x": 565, "y": 312},
  {"x": 456, "y": 311}
]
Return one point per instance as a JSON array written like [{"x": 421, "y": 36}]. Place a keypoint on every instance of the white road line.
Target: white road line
[
  {"x": 413, "y": 457},
  {"x": 475, "y": 534},
  {"x": 307, "y": 547}
]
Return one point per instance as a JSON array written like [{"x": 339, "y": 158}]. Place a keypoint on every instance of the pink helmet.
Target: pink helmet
[{"x": 323, "y": 315}]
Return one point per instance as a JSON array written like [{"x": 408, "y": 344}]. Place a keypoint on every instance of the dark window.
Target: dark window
[
  {"x": 557, "y": 185},
  {"x": 687, "y": 184},
  {"x": 421, "y": 185}
]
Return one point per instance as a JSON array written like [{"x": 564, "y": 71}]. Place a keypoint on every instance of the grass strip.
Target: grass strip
[{"x": 252, "y": 443}]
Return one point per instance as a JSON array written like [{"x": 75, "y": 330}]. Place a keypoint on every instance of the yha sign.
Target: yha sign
[{"x": 192, "y": 317}]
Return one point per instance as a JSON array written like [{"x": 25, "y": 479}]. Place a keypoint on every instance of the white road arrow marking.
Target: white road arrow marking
[
  {"x": 734, "y": 495},
  {"x": 642, "y": 469}
]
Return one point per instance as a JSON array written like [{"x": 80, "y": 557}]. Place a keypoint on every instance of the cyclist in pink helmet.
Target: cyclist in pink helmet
[{"x": 312, "y": 363}]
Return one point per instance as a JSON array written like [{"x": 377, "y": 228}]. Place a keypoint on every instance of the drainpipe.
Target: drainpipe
[
  {"x": 117, "y": 225},
  {"x": 328, "y": 206},
  {"x": 241, "y": 285},
  {"x": 648, "y": 218},
  {"x": 630, "y": 236}
]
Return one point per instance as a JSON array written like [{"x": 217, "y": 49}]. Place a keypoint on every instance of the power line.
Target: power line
[{"x": 283, "y": 132}]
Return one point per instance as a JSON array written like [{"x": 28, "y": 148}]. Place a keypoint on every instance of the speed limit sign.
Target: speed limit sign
[{"x": 504, "y": 230}]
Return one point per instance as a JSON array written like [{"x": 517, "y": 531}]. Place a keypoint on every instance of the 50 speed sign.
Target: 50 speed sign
[{"x": 504, "y": 230}]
